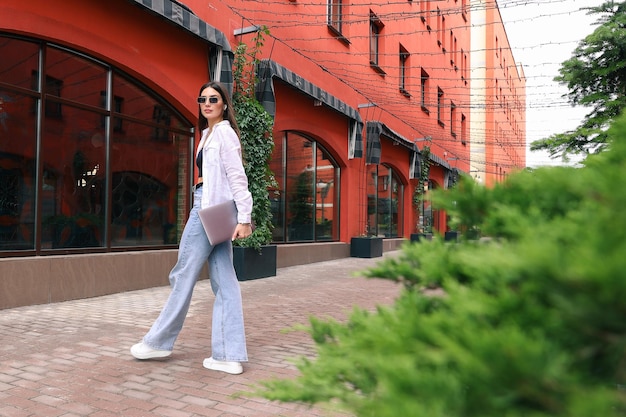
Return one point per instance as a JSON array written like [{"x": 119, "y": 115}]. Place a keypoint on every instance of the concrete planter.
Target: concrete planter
[
  {"x": 420, "y": 237},
  {"x": 366, "y": 247},
  {"x": 252, "y": 264}
]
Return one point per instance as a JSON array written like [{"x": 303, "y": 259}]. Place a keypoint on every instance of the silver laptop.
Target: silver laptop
[{"x": 219, "y": 221}]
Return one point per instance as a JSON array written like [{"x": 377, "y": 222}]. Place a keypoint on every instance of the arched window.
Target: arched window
[
  {"x": 384, "y": 202},
  {"x": 89, "y": 157},
  {"x": 430, "y": 218},
  {"x": 305, "y": 205}
]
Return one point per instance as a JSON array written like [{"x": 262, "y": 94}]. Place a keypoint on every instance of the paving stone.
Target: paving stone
[{"x": 72, "y": 358}]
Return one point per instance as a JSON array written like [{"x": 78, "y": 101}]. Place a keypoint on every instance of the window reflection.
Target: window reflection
[
  {"x": 74, "y": 163},
  {"x": 277, "y": 195},
  {"x": 300, "y": 189},
  {"x": 324, "y": 196},
  {"x": 384, "y": 194},
  {"x": 372, "y": 200},
  {"x": 146, "y": 172},
  {"x": 74, "y": 78},
  {"x": 18, "y": 127},
  {"x": 85, "y": 130},
  {"x": 305, "y": 205}
]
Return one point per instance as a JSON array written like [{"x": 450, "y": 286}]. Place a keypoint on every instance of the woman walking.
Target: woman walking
[{"x": 221, "y": 177}]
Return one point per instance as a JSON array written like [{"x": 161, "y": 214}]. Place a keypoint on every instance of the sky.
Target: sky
[{"x": 543, "y": 34}]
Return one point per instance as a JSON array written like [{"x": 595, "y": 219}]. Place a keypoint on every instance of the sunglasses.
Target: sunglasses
[{"x": 212, "y": 100}]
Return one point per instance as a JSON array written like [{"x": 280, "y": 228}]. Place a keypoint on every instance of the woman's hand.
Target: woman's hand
[{"x": 242, "y": 231}]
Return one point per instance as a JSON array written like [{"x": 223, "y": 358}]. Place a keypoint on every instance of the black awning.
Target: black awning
[
  {"x": 438, "y": 160},
  {"x": 373, "y": 146},
  {"x": 374, "y": 131},
  {"x": 268, "y": 69},
  {"x": 182, "y": 16}
]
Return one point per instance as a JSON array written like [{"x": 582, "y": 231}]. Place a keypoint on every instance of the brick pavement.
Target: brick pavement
[{"x": 72, "y": 358}]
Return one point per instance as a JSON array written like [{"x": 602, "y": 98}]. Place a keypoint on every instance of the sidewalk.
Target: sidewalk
[{"x": 72, "y": 359}]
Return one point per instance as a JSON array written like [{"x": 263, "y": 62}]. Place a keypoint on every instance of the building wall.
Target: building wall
[
  {"x": 501, "y": 99},
  {"x": 436, "y": 37},
  {"x": 424, "y": 47}
]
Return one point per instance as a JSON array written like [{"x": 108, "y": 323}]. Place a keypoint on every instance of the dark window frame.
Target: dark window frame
[
  {"x": 404, "y": 69},
  {"x": 376, "y": 28}
]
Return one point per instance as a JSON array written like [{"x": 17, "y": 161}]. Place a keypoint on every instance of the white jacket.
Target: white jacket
[{"x": 223, "y": 174}]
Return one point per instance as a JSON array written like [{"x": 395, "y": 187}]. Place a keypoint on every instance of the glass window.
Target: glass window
[
  {"x": 73, "y": 160},
  {"x": 384, "y": 202},
  {"x": 300, "y": 188},
  {"x": 74, "y": 78},
  {"x": 19, "y": 58},
  {"x": 18, "y": 141},
  {"x": 440, "y": 99},
  {"x": 305, "y": 205},
  {"x": 145, "y": 176},
  {"x": 403, "y": 70},
  {"x": 429, "y": 218},
  {"x": 453, "y": 119},
  {"x": 325, "y": 216},
  {"x": 392, "y": 219},
  {"x": 424, "y": 80},
  {"x": 147, "y": 166},
  {"x": 375, "y": 29},
  {"x": 85, "y": 130},
  {"x": 18, "y": 127},
  {"x": 335, "y": 14},
  {"x": 372, "y": 200}
]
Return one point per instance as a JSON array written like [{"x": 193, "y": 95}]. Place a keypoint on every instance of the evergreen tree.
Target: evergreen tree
[
  {"x": 529, "y": 323},
  {"x": 596, "y": 78}
]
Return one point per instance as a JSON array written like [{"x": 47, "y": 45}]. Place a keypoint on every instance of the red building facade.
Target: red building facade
[
  {"x": 98, "y": 113},
  {"x": 401, "y": 74}
]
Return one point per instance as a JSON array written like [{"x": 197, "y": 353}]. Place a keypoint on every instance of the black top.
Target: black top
[{"x": 199, "y": 163}]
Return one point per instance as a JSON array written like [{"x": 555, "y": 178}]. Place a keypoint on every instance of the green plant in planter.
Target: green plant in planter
[
  {"x": 255, "y": 125},
  {"x": 420, "y": 192}
]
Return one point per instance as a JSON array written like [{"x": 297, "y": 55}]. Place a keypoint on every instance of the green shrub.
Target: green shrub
[
  {"x": 257, "y": 142},
  {"x": 530, "y": 323}
]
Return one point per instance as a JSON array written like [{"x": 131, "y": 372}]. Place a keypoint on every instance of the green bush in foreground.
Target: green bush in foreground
[{"x": 532, "y": 323}]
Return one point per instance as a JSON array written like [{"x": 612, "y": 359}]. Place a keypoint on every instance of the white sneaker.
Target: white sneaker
[
  {"x": 229, "y": 367},
  {"x": 143, "y": 351}
]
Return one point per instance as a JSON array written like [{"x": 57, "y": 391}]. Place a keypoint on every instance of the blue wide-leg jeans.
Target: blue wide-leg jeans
[{"x": 228, "y": 340}]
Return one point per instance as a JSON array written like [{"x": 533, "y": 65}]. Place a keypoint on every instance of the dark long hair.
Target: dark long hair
[{"x": 229, "y": 113}]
